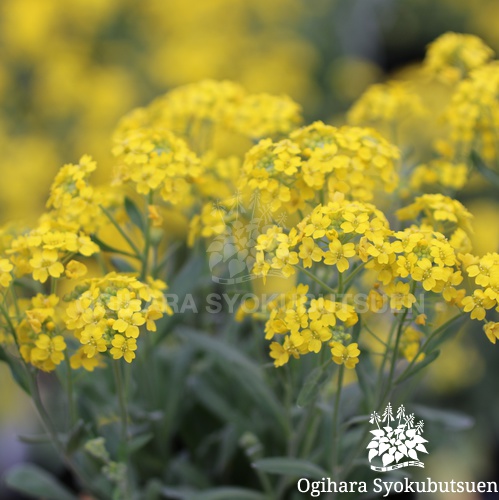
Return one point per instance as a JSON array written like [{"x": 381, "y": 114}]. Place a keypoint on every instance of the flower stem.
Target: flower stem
[
  {"x": 439, "y": 330},
  {"x": 69, "y": 388},
  {"x": 317, "y": 280},
  {"x": 336, "y": 424},
  {"x": 120, "y": 389},
  {"x": 125, "y": 236},
  {"x": 147, "y": 239}
]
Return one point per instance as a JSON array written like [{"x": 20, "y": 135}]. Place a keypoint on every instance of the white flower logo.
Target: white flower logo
[{"x": 394, "y": 443}]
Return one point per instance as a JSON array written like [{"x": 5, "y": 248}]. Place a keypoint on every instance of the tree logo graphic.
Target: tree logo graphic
[{"x": 395, "y": 439}]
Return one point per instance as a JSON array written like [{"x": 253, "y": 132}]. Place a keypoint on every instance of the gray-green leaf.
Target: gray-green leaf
[{"x": 37, "y": 483}]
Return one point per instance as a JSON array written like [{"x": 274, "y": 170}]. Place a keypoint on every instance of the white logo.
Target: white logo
[{"x": 392, "y": 444}]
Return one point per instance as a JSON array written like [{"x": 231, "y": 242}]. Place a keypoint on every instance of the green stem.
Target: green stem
[
  {"x": 120, "y": 230},
  {"x": 69, "y": 387},
  {"x": 354, "y": 273},
  {"x": 147, "y": 240},
  {"x": 336, "y": 424},
  {"x": 396, "y": 350},
  {"x": 56, "y": 441},
  {"x": 434, "y": 334},
  {"x": 317, "y": 280},
  {"x": 120, "y": 389},
  {"x": 166, "y": 256}
]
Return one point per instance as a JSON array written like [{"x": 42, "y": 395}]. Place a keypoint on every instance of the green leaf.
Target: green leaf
[
  {"x": 445, "y": 334},
  {"x": 37, "y": 483},
  {"x": 76, "y": 437},
  {"x": 180, "y": 286},
  {"x": 34, "y": 438},
  {"x": 366, "y": 375},
  {"x": 239, "y": 368},
  {"x": 227, "y": 494},
  {"x": 452, "y": 419},
  {"x": 489, "y": 174},
  {"x": 122, "y": 265},
  {"x": 285, "y": 466},
  {"x": 134, "y": 213},
  {"x": 357, "y": 328},
  {"x": 220, "y": 349},
  {"x": 429, "y": 358},
  {"x": 138, "y": 442},
  {"x": 108, "y": 248},
  {"x": 173, "y": 493},
  {"x": 180, "y": 367},
  {"x": 17, "y": 369},
  {"x": 219, "y": 406},
  {"x": 311, "y": 387}
]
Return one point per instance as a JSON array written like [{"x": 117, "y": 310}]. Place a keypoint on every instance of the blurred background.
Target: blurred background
[{"x": 69, "y": 69}]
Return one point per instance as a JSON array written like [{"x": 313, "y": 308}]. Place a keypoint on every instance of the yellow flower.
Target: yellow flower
[
  {"x": 123, "y": 348},
  {"x": 92, "y": 340},
  {"x": 49, "y": 349},
  {"x": 153, "y": 313},
  {"x": 358, "y": 223},
  {"x": 347, "y": 355},
  {"x": 421, "y": 319},
  {"x": 5, "y": 269},
  {"x": 129, "y": 323},
  {"x": 317, "y": 225},
  {"x": 375, "y": 301},
  {"x": 339, "y": 254},
  {"x": 75, "y": 270},
  {"x": 310, "y": 252},
  {"x": 453, "y": 55},
  {"x": 315, "y": 336},
  {"x": 281, "y": 352},
  {"x": 477, "y": 304},
  {"x": 44, "y": 264},
  {"x": 491, "y": 329},
  {"x": 154, "y": 215},
  {"x": 400, "y": 295},
  {"x": 81, "y": 360},
  {"x": 124, "y": 302},
  {"x": 429, "y": 275},
  {"x": 385, "y": 103},
  {"x": 285, "y": 260}
]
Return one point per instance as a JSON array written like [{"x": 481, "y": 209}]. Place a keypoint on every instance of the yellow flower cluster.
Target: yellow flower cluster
[
  {"x": 304, "y": 325},
  {"x": 388, "y": 103},
  {"x": 196, "y": 111},
  {"x": 105, "y": 314},
  {"x": 74, "y": 204},
  {"x": 444, "y": 214},
  {"x": 39, "y": 333},
  {"x": 485, "y": 273},
  {"x": 473, "y": 113},
  {"x": 208, "y": 115},
  {"x": 319, "y": 158},
  {"x": 410, "y": 344},
  {"x": 91, "y": 56},
  {"x": 155, "y": 159},
  {"x": 44, "y": 253},
  {"x": 439, "y": 173},
  {"x": 453, "y": 56},
  {"x": 331, "y": 234},
  {"x": 225, "y": 105},
  {"x": 351, "y": 235}
]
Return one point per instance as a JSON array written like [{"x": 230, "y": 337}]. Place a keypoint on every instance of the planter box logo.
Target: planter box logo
[{"x": 395, "y": 439}]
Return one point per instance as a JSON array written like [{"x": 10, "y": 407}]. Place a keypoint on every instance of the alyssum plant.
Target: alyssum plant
[{"x": 161, "y": 404}]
